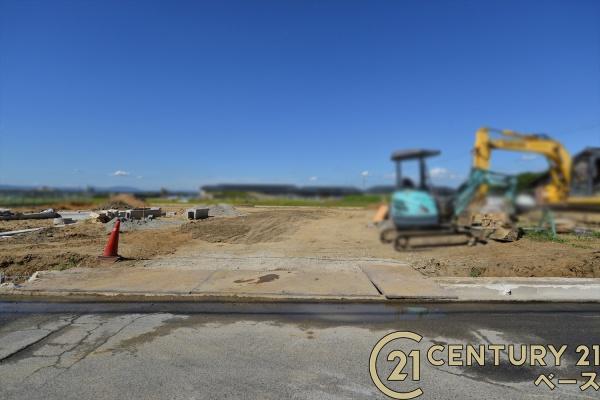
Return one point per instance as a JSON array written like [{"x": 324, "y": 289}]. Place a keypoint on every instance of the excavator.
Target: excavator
[
  {"x": 573, "y": 182},
  {"x": 418, "y": 211}
]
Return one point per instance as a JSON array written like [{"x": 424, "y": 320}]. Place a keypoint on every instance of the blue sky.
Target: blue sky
[{"x": 185, "y": 93}]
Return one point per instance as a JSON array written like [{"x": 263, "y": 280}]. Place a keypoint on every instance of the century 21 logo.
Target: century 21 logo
[{"x": 398, "y": 374}]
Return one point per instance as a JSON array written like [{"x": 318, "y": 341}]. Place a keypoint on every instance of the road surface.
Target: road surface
[{"x": 300, "y": 351}]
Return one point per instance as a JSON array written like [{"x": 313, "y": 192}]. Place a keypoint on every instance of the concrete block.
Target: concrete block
[
  {"x": 197, "y": 213},
  {"x": 141, "y": 213}
]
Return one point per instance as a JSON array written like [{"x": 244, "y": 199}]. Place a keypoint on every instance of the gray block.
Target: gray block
[{"x": 197, "y": 213}]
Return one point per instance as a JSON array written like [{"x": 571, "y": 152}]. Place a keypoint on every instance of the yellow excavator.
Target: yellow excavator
[{"x": 574, "y": 182}]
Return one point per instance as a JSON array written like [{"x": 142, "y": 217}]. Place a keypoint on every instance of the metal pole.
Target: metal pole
[{"x": 422, "y": 173}]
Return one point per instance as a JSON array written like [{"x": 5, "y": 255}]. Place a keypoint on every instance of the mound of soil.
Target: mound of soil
[
  {"x": 524, "y": 258},
  {"x": 79, "y": 245},
  {"x": 122, "y": 202},
  {"x": 16, "y": 225},
  {"x": 268, "y": 226},
  {"x": 223, "y": 210},
  {"x": 20, "y": 267}
]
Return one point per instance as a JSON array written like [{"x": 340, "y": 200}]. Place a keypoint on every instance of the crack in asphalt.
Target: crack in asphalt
[
  {"x": 29, "y": 345},
  {"x": 81, "y": 342}
]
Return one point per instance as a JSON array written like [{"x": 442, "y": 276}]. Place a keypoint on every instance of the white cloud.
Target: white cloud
[
  {"x": 313, "y": 178},
  {"x": 438, "y": 172},
  {"x": 364, "y": 173},
  {"x": 529, "y": 157},
  {"x": 441, "y": 173},
  {"x": 120, "y": 173}
]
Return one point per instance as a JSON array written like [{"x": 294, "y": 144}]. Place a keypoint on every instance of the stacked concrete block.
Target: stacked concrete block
[
  {"x": 197, "y": 213},
  {"x": 141, "y": 213}
]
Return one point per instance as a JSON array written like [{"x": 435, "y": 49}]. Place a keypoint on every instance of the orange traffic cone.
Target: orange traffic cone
[{"x": 111, "y": 251}]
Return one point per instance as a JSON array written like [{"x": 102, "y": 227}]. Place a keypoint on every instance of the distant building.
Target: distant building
[
  {"x": 327, "y": 191},
  {"x": 270, "y": 189},
  {"x": 281, "y": 190}
]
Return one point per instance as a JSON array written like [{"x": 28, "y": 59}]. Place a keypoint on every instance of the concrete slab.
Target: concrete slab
[
  {"x": 403, "y": 282},
  {"x": 523, "y": 289},
  {"x": 118, "y": 280},
  {"x": 368, "y": 283},
  {"x": 352, "y": 283}
]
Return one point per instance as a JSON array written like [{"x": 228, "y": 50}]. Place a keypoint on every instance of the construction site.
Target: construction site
[
  {"x": 485, "y": 228},
  {"x": 308, "y": 200}
]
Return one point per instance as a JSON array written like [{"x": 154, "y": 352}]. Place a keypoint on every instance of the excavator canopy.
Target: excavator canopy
[{"x": 413, "y": 154}]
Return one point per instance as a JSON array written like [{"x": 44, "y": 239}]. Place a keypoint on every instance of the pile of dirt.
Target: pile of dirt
[
  {"x": 143, "y": 245},
  {"x": 122, "y": 202},
  {"x": 223, "y": 210},
  {"x": 525, "y": 258},
  {"x": 83, "y": 233},
  {"x": 257, "y": 227},
  {"x": 220, "y": 210},
  {"x": 16, "y": 225},
  {"x": 20, "y": 267},
  {"x": 129, "y": 225},
  {"x": 79, "y": 245}
]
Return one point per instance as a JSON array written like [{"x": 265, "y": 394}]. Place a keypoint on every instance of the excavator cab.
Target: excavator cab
[
  {"x": 413, "y": 204},
  {"x": 586, "y": 173}
]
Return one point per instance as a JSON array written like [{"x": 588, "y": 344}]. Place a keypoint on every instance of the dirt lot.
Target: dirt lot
[
  {"x": 77, "y": 245},
  {"x": 319, "y": 234}
]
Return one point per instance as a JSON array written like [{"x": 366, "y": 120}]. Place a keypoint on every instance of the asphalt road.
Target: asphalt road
[{"x": 303, "y": 351}]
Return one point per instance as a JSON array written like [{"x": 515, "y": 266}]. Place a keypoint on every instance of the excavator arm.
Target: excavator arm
[{"x": 558, "y": 157}]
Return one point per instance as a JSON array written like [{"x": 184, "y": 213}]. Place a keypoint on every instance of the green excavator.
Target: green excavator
[{"x": 420, "y": 210}]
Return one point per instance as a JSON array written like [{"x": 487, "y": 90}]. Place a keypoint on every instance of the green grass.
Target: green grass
[
  {"x": 544, "y": 236},
  {"x": 242, "y": 199},
  {"x": 41, "y": 200},
  {"x": 589, "y": 241},
  {"x": 236, "y": 199},
  {"x": 162, "y": 200}
]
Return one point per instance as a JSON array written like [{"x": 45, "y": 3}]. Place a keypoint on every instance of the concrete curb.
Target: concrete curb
[
  {"x": 465, "y": 293},
  {"x": 374, "y": 284},
  {"x": 68, "y": 296},
  {"x": 523, "y": 289}
]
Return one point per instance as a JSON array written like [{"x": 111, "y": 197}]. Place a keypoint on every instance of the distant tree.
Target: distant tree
[
  {"x": 527, "y": 181},
  {"x": 164, "y": 192}
]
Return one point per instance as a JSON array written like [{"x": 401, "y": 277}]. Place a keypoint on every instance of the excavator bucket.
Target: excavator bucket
[{"x": 381, "y": 214}]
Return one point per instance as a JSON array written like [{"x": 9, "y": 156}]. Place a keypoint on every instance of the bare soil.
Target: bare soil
[
  {"x": 346, "y": 233},
  {"x": 79, "y": 245},
  {"x": 122, "y": 202},
  {"x": 267, "y": 226},
  {"x": 15, "y": 225},
  {"x": 341, "y": 234},
  {"x": 523, "y": 258}
]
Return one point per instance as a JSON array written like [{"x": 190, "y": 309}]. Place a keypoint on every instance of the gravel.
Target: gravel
[
  {"x": 214, "y": 210},
  {"x": 144, "y": 224},
  {"x": 222, "y": 210}
]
